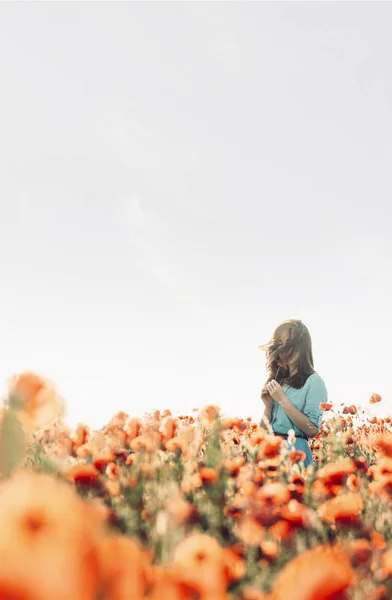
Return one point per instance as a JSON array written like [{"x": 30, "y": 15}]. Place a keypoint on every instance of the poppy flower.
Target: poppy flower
[
  {"x": 295, "y": 513},
  {"x": 112, "y": 471},
  {"x": 142, "y": 442},
  {"x": 123, "y": 568},
  {"x": 317, "y": 574},
  {"x": 202, "y": 564},
  {"x": 208, "y": 475},
  {"x": 359, "y": 551},
  {"x": 181, "y": 511},
  {"x": 234, "y": 565},
  {"x": 269, "y": 549},
  {"x": 378, "y": 540},
  {"x": 48, "y": 541},
  {"x": 80, "y": 435},
  {"x": 233, "y": 465},
  {"x": 325, "y": 406},
  {"x": 275, "y": 493},
  {"x": 175, "y": 443},
  {"x": 132, "y": 429},
  {"x": 250, "y": 532},
  {"x": 281, "y": 530},
  {"x": 374, "y": 398},
  {"x": 168, "y": 427},
  {"x": 101, "y": 459},
  {"x": 353, "y": 482},
  {"x": 342, "y": 509},
  {"x": 82, "y": 474},
  {"x": 270, "y": 447},
  {"x": 35, "y": 399},
  {"x": 296, "y": 456},
  {"x": 208, "y": 415},
  {"x": 383, "y": 444},
  {"x": 336, "y": 472}
]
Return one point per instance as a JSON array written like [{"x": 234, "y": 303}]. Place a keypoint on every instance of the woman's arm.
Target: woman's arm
[
  {"x": 267, "y": 415},
  {"x": 316, "y": 394},
  {"x": 299, "y": 419},
  {"x": 268, "y": 403}
]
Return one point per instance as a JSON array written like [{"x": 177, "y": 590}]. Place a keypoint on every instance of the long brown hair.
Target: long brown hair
[{"x": 291, "y": 360}]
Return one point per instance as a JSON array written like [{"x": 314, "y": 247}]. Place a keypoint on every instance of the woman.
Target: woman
[{"x": 294, "y": 391}]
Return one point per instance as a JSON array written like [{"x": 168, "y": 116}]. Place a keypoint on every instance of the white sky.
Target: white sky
[{"x": 176, "y": 179}]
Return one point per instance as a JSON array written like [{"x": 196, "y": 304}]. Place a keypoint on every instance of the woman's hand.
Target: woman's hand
[
  {"x": 276, "y": 392},
  {"x": 266, "y": 397}
]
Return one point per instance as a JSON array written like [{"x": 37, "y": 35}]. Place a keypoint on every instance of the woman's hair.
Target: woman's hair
[{"x": 290, "y": 360}]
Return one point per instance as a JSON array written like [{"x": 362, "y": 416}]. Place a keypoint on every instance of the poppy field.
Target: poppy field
[{"x": 191, "y": 507}]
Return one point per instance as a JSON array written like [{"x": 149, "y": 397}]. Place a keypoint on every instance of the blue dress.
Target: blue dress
[{"x": 307, "y": 399}]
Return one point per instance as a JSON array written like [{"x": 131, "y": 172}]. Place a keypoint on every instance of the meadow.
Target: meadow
[{"x": 190, "y": 507}]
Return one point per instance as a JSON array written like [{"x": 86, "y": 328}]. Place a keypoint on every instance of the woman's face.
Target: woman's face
[{"x": 283, "y": 339}]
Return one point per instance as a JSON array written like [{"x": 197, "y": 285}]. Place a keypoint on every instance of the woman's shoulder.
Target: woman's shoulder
[{"x": 315, "y": 381}]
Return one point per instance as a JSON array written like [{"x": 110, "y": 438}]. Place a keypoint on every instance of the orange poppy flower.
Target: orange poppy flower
[
  {"x": 296, "y": 456},
  {"x": 84, "y": 450},
  {"x": 342, "y": 509},
  {"x": 317, "y": 574},
  {"x": 325, "y": 406},
  {"x": 234, "y": 564},
  {"x": 335, "y": 473},
  {"x": 112, "y": 471},
  {"x": 359, "y": 551},
  {"x": 378, "y": 540},
  {"x": 142, "y": 442},
  {"x": 37, "y": 398},
  {"x": 250, "y": 532},
  {"x": 80, "y": 435},
  {"x": 181, "y": 511},
  {"x": 103, "y": 458},
  {"x": 168, "y": 427},
  {"x": 281, "y": 530},
  {"x": 123, "y": 568},
  {"x": 257, "y": 436},
  {"x": 374, "y": 398},
  {"x": 269, "y": 549},
  {"x": 208, "y": 475},
  {"x": 83, "y": 474},
  {"x": 384, "y": 466},
  {"x": 132, "y": 429},
  {"x": 383, "y": 444},
  {"x": 202, "y": 564},
  {"x": 275, "y": 493},
  {"x": 353, "y": 482},
  {"x": 295, "y": 513},
  {"x": 270, "y": 447},
  {"x": 175, "y": 443},
  {"x": 48, "y": 540},
  {"x": 233, "y": 465},
  {"x": 208, "y": 415}
]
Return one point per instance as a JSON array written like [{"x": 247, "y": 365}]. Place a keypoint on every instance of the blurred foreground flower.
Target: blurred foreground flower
[
  {"x": 48, "y": 540},
  {"x": 322, "y": 573},
  {"x": 34, "y": 399}
]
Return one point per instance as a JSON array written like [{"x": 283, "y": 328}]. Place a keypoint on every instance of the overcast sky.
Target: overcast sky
[{"x": 176, "y": 179}]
